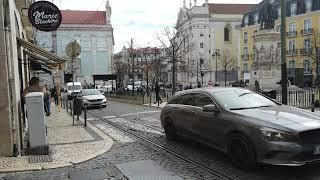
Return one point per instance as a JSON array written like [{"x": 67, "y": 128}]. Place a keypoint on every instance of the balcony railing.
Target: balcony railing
[
  {"x": 292, "y": 52},
  {"x": 245, "y": 56},
  {"x": 307, "y": 31},
  {"x": 292, "y": 33},
  {"x": 306, "y": 51}
]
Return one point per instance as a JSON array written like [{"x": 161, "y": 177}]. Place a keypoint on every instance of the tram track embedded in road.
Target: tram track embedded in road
[{"x": 130, "y": 131}]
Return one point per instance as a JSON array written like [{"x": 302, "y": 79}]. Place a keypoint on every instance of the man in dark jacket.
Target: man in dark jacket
[{"x": 157, "y": 90}]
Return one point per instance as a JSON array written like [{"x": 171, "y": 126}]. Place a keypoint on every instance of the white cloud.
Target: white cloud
[{"x": 138, "y": 19}]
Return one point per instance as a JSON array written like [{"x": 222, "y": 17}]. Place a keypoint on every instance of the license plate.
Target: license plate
[{"x": 317, "y": 149}]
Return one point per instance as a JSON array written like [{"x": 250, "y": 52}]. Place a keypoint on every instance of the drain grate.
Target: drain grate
[{"x": 40, "y": 159}]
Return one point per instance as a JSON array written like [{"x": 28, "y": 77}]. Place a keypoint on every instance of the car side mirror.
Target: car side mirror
[{"x": 211, "y": 108}]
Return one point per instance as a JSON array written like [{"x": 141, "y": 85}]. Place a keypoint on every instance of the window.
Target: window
[
  {"x": 292, "y": 29},
  {"x": 209, "y": 51},
  {"x": 226, "y": 34},
  {"x": 246, "y": 20},
  {"x": 279, "y": 12},
  {"x": 201, "y": 45},
  {"x": 256, "y": 18},
  {"x": 209, "y": 36},
  {"x": 307, "y": 25},
  {"x": 245, "y": 67},
  {"x": 307, "y": 67},
  {"x": 201, "y": 35},
  {"x": 307, "y": 45},
  {"x": 292, "y": 64},
  {"x": 292, "y": 46},
  {"x": 278, "y": 28},
  {"x": 245, "y": 51},
  {"x": 245, "y": 37},
  {"x": 293, "y": 9},
  {"x": 202, "y": 100},
  {"x": 188, "y": 99},
  {"x": 308, "y": 5}
]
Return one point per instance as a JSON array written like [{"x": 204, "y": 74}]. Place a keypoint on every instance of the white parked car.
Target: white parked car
[
  {"x": 73, "y": 87},
  {"x": 93, "y": 98}
]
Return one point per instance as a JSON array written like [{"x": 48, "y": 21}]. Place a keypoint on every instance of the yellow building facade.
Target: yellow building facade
[{"x": 302, "y": 27}]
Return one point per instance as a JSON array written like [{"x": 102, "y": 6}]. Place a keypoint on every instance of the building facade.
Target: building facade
[
  {"x": 139, "y": 61},
  {"x": 302, "y": 23},
  {"x": 94, "y": 32},
  {"x": 211, "y": 30},
  {"x": 21, "y": 59}
]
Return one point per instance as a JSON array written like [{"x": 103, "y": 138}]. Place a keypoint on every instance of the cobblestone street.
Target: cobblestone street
[{"x": 145, "y": 121}]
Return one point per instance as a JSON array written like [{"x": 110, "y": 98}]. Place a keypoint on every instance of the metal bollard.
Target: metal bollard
[
  {"x": 312, "y": 102},
  {"x": 85, "y": 116}
]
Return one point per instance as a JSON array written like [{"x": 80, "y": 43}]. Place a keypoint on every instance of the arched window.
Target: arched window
[{"x": 226, "y": 34}]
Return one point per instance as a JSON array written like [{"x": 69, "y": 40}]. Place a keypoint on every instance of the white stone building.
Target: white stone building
[{"x": 209, "y": 27}]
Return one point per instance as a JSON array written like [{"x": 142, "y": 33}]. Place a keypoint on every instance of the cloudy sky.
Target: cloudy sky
[{"x": 138, "y": 19}]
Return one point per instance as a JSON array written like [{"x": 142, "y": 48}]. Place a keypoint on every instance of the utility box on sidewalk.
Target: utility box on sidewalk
[{"x": 37, "y": 125}]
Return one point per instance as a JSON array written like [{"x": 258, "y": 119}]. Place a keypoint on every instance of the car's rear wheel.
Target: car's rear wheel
[
  {"x": 241, "y": 152},
  {"x": 170, "y": 130}
]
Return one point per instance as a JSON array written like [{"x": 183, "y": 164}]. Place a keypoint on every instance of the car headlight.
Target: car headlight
[{"x": 277, "y": 135}]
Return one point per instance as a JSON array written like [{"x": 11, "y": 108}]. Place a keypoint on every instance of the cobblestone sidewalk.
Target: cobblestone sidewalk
[{"x": 68, "y": 145}]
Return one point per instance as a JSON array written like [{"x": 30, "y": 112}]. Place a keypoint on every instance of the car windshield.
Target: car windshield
[
  {"x": 75, "y": 87},
  {"x": 242, "y": 99},
  {"x": 89, "y": 92}
]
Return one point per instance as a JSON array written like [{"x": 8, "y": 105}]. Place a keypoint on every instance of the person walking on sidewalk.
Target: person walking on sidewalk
[
  {"x": 47, "y": 101},
  {"x": 54, "y": 95},
  {"x": 199, "y": 85},
  {"x": 157, "y": 90}
]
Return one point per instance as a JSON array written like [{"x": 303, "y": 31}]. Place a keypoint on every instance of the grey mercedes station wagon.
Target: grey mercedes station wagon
[{"x": 247, "y": 126}]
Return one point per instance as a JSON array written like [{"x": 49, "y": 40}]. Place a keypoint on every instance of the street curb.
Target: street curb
[{"x": 48, "y": 166}]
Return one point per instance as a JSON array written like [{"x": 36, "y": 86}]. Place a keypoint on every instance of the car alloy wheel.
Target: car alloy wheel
[
  {"x": 241, "y": 152},
  {"x": 170, "y": 130}
]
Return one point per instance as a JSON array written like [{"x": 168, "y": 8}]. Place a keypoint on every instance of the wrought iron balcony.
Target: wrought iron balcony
[
  {"x": 292, "y": 52},
  {"x": 306, "y": 51},
  {"x": 245, "y": 56},
  {"x": 292, "y": 34},
  {"x": 307, "y": 31}
]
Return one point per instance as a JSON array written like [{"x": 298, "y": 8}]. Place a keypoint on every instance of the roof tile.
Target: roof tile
[
  {"x": 230, "y": 8},
  {"x": 83, "y": 17}
]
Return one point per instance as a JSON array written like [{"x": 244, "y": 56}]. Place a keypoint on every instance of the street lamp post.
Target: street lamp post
[
  {"x": 283, "y": 53},
  {"x": 216, "y": 54}
]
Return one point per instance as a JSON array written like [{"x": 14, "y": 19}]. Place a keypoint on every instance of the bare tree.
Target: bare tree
[
  {"x": 312, "y": 50},
  {"x": 121, "y": 69},
  {"x": 227, "y": 63},
  {"x": 176, "y": 47}
]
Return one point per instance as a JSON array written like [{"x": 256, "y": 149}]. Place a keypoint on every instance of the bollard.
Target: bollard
[
  {"x": 85, "y": 116},
  {"x": 150, "y": 98},
  {"x": 312, "y": 102}
]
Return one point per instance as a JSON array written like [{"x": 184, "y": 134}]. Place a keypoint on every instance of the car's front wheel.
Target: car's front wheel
[
  {"x": 170, "y": 130},
  {"x": 241, "y": 152}
]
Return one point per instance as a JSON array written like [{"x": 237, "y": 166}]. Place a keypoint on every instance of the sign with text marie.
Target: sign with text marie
[{"x": 45, "y": 16}]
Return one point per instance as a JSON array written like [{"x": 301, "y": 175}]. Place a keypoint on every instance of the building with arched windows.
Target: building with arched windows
[{"x": 213, "y": 33}]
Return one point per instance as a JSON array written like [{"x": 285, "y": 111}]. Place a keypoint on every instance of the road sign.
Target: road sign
[{"x": 73, "y": 50}]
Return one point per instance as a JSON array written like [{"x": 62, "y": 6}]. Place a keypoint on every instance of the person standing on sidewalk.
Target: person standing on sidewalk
[
  {"x": 47, "y": 101},
  {"x": 157, "y": 90},
  {"x": 34, "y": 86}
]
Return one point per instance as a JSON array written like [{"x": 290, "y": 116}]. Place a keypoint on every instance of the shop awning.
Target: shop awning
[
  {"x": 32, "y": 48},
  {"x": 39, "y": 59}
]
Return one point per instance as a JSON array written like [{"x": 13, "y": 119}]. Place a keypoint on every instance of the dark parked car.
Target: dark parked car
[{"x": 249, "y": 127}]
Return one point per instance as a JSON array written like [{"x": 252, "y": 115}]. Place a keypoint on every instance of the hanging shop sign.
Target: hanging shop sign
[{"x": 44, "y": 16}]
